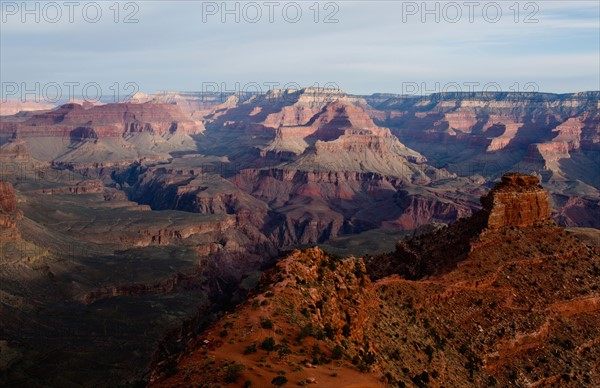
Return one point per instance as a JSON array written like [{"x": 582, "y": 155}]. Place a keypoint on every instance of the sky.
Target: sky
[{"x": 362, "y": 47}]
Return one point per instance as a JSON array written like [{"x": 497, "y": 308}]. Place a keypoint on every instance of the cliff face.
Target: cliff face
[
  {"x": 518, "y": 200},
  {"x": 80, "y": 134},
  {"x": 555, "y": 137},
  {"x": 342, "y": 137},
  {"x": 74, "y": 120}
]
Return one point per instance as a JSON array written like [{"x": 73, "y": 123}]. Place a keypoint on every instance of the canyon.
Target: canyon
[{"x": 127, "y": 227}]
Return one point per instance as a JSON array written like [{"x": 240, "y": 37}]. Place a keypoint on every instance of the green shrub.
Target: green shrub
[
  {"x": 283, "y": 350},
  {"x": 346, "y": 330},
  {"x": 307, "y": 330},
  {"x": 319, "y": 335},
  {"x": 279, "y": 381},
  {"x": 268, "y": 344},
  {"x": 233, "y": 373},
  {"x": 329, "y": 331},
  {"x": 337, "y": 353}
]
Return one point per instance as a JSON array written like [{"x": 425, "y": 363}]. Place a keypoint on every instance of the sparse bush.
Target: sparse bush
[
  {"x": 279, "y": 381},
  {"x": 316, "y": 350},
  {"x": 283, "y": 350},
  {"x": 429, "y": 352},
  {"x": 233, "y": 373},
  {"x": 266, "y": 323},
  {"x": 329, "y": 331},
  {"x": 369, "y": 358},
  {"x": 268, "y": 344},
  {"x": 422, "y": 379},
  {"x": 250, "y": 349},
  {"x": 307, "y": 330},
  {"x": 346, "y": 330},
  {"x": 319, "y": 335},
  {"x": 337, "y": 353}
]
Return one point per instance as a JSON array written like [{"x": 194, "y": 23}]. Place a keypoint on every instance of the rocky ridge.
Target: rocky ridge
[{"x": 514, "y": 307}]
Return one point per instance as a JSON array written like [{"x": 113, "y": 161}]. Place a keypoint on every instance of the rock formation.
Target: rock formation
[
  {"x": 113, "y": 132},
  {"x": 518, "y": 200},
  {"x": 9, "y": 213},
  {"x": 8, "y": 201}
]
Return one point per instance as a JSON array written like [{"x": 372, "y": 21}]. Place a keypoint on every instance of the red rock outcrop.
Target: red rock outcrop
[
  {"x": 9, "y": 213},
  {"x": 518, "y": 200},
  {"x": 8, "y": 199}
]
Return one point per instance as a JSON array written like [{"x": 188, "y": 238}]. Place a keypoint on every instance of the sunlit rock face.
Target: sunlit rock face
[{"x": 518, "y": 200}]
